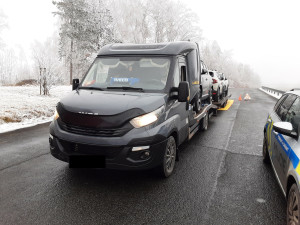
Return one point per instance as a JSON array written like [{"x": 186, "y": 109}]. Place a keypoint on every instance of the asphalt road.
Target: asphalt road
[{"x": 220, "y": 179}]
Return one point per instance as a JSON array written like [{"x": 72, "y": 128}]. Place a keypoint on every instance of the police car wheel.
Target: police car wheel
[
  {"x": 293, "y": 211},
  {"x": 266, "y": 157},
  {"x": 168, "y": 164}
]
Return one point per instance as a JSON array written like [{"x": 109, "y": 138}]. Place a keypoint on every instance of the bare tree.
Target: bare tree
[
  {"x": 3, "y": 25},
  {"x": 239, "y": 75},
  {"x": 47, "y": 65},
  {"x": 138, "y": 21}
]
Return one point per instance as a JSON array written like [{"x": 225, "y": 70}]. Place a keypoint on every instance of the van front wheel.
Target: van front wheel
[{"x": 168, "y": 164}]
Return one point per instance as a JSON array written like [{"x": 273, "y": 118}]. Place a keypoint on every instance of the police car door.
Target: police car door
[
  {"x": 281, "y": 143},
  {"x": 287, "y": 144}
]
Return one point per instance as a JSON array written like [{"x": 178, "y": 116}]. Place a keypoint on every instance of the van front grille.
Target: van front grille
[{"x": 112, "y": 132}]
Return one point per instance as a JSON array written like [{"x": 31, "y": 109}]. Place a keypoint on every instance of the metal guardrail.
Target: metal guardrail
[{"x": 273, "y": 91}]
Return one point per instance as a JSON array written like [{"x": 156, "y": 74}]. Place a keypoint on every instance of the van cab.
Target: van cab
[{"x": 133, "y": 108}]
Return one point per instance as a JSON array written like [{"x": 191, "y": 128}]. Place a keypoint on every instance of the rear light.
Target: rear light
[{"x": 215, "y": 81}]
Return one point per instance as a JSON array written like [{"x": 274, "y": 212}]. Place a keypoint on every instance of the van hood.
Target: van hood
[
  {"x": 106, "y": 109},
  {"x": 111, "y": 102}
]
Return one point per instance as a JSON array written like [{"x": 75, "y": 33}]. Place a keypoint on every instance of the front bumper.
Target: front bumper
[{"x": 116, "y": 151}]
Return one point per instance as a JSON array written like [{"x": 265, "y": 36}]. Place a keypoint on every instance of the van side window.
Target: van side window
[
  {"x": 293, "y": 115},
  {"x": 285, "y": 106},
  {"x": 176, "y": 75},
  {"x": 183, "y": 73}
]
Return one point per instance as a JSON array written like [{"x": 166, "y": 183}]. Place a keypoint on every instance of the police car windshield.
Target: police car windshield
[{"x": 147, "y": 73}]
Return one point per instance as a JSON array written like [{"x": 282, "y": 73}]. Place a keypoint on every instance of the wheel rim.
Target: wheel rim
[
  {"x": 170, "y": 156},
  {"x": 293, "y": 206}
]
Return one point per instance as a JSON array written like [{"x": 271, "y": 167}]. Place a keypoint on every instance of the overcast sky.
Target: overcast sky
[{"x": 262, "y": 33}]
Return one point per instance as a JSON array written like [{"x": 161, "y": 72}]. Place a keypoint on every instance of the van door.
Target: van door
[{"x": 179, "y": 108}]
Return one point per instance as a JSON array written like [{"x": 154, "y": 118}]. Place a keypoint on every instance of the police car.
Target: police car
[{"x": 281, "y": 148}]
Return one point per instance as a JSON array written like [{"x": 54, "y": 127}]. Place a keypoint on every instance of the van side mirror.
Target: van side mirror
[
  {"x": 204, "y": 71},
  {"x": 75, "y": 84},
  {"x": 183, "y": 91},
  {"x": 285, "y": 128}
]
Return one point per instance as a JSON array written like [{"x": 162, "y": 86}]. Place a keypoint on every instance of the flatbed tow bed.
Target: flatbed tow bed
[
  {"x": 201, "y": 119},
  {"x": 220, "y": 104}
]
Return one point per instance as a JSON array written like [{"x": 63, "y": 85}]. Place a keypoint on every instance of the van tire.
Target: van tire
[
  {"x": 167, "y": 167},
  {"x": 197, "y": 103}
]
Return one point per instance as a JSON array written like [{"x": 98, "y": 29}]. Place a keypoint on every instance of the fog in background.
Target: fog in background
[{"x": 262, "y": 34}]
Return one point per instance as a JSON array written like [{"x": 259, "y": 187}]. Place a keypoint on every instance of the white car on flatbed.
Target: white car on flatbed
[
  {"x": 224, "y": 79},
  {"x": 217, "y": 85}
]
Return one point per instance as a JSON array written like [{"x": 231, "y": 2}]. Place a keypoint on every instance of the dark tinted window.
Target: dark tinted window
[
  {"x": 192, "y": 67},
  {"x": 293, "y": 115},
  {"x": 183, "y": 73},
  {"x": 279, "y": 102},
  {"x": 285, "y": 106}
]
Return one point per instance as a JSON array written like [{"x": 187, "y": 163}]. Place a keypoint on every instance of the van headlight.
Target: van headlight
[
  {"x": 56, "y": 115},
  {"x": 148, "y": 118}
]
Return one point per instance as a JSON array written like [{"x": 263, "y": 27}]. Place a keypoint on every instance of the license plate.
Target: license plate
[{"x": 83, "y": 161}]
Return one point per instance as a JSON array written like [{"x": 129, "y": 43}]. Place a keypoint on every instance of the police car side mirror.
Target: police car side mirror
[{"x": 285, "y": 128}]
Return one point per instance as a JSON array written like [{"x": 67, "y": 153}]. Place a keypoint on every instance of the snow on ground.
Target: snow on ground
[
  {"x": 272, "y": 94},
  {"x": 23, "y": 106}
]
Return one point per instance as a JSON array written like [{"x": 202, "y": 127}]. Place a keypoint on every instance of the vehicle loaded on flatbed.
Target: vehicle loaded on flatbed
[{"x": 135, "y": 105}]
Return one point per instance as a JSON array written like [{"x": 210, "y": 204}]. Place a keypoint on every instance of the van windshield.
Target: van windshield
[{"x": 147, "y": 73}]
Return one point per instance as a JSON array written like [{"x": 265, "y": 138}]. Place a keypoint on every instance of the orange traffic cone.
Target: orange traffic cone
[{"x": 240, "y": 98}]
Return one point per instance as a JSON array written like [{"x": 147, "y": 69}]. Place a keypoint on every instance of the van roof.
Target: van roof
[{"x": 170, "y": 48}]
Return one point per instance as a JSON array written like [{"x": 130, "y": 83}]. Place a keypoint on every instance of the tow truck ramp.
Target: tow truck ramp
[{"x": 200, "y": 120}]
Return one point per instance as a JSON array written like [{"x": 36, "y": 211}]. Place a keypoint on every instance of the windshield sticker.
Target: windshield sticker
[{"x": 124, "y": 80}]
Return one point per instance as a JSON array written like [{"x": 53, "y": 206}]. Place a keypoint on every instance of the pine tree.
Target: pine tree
[{"x": 85, "y": 28}]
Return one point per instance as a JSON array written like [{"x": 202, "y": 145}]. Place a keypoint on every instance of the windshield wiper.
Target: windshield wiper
[
  {"x": 91, "y": 88},
  {"x": 126, "y": 88}
]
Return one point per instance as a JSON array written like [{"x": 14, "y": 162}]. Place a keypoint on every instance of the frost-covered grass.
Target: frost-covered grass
[{"x": 23, "y": 106}]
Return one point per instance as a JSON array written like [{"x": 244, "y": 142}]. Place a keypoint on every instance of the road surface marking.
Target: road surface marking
[{"x": 229, "y": 104}]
